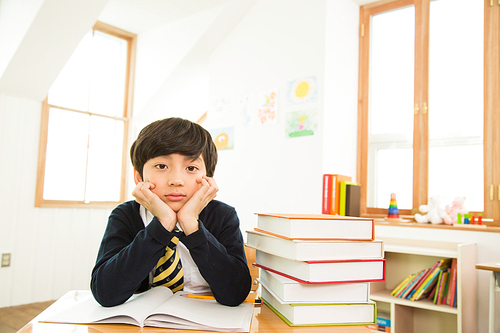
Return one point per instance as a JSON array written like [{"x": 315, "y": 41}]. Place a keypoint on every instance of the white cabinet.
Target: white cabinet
[{"x": 406, "y": 256}]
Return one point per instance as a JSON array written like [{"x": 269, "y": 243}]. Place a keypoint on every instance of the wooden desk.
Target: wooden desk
[
  {"x": 263, "y": 321},
  {"x": 494, "y": 267}
]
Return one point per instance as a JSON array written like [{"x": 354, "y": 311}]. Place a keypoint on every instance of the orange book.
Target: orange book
[{"x": 316, "y": 226}]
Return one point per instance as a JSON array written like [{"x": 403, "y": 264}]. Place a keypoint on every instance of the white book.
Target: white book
[
  {"x": 333, "y": 271},
  {"x": 321, "y": 314},
  {"x": 291, "y": 291},
  {"x": 309, "y": 250},
  {"x": 158, "y": 307},
  {"x": 317, "y": 226}
]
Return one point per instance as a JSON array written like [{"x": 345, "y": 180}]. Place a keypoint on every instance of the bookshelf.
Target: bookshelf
[{"x": 406, "y": 256}]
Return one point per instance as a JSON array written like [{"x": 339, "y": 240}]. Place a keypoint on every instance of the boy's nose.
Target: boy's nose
[{"x": 175, "y": 180}]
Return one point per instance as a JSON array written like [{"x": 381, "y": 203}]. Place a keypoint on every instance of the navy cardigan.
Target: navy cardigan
[{"x": 129, "y": 251}]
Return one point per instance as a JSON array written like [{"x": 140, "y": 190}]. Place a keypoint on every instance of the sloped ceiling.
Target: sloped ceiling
[{"x": 138, "y": 16}]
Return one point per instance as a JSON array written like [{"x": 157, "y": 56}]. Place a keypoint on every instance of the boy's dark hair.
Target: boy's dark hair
[{"x": 173, "y": 136}]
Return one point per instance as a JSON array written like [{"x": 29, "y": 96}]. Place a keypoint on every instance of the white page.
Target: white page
[
  {"x": 137, "y": 307},
  {"x": 208, "y": 313}
]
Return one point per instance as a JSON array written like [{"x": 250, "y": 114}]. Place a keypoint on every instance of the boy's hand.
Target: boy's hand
[
  {"x": 145, "y": 197},
  {"x": 188, "y": 214}
]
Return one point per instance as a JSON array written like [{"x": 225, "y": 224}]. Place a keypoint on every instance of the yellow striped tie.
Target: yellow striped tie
[{"x": 168, "y": 271}]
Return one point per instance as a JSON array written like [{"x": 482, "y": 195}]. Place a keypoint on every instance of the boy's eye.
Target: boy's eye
[
  {"x": 161, "y": 166},
  {"x": 192, "y": 168}
]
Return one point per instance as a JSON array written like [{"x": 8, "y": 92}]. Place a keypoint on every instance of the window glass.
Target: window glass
[
  {"x": 105, "y": 159},
  {"x": 391, "y": 107},
  {"x": 87, "y": 122},
  {"x": 66, "y": 157},
  {"x": 456, "y": 104},
  {"x": 109, "y": 64}
]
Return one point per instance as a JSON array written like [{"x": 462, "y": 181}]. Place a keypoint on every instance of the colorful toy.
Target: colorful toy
[
  {"x": 393, "y": 212},
  {"x": 435, "y": 211},
  {"x": 452, "y": 211}
]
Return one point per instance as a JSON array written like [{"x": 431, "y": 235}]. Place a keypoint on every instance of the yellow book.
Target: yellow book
[{"x": 402, "y": 284}]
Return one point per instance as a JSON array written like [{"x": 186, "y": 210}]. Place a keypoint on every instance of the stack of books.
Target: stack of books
[
  {"x": 437, "y": 284},
  {"x": 317, "y": 269}
]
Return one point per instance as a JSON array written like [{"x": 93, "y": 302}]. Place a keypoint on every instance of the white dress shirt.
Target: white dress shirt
[{"x": 193, "y": 281}]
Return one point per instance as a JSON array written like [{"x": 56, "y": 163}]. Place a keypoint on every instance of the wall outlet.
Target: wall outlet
[{"x": 5, "y": 259}]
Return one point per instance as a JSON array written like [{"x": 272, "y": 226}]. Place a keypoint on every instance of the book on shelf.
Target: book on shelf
[
  {"x": 415, "y": 283},
  {"x": 323, "y": 314},
  {"x": 445, "y": 287},
  {"x": 352, "y": 200},
  {"x": 430, "y": 280},
  {"x": 317, "y": 226},
  {"x": 291, "y": 291},
  {"x": 304, "y": 250},
  {"x": 330, "y": 271},
  {"x": 331, "y": 192},
  {"x": 383, "y": 319},
  {"x": 378, "y": 328},
  {"x": 437, "y": 288},
  {"x": 158, "y": 307},
  {"x": 404, "y": 289},
  {"x": 453, "y": 289},
  {"x": 343, "y": 196},
  {"x": 424, "y": 278}
]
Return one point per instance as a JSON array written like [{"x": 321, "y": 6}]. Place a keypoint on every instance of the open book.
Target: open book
[{"x": 158, "y": 307}]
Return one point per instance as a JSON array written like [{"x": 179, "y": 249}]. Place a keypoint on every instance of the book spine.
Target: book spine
[
  {"x": 333, "y": 196},
  {"x": 429, "y": 271},
  {"x": 438, "y": 287},
  {"x": 413, "y": 285},
  {"x": 408, "y": 285},
  {"x": 454, "y": 284},
  {"x": 327, "y": 194}
]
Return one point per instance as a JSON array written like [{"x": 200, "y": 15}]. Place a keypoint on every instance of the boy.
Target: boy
[{"x": 174, "y": 161}]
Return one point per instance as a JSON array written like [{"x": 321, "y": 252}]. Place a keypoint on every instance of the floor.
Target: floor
[{"x": 13, "y": 318}]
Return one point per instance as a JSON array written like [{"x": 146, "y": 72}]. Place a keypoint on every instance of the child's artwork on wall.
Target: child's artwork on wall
[
  {"x": 267, "y": 113},
  {"x": 223, "y": 137},
  {"x": 246, "y": 109},
  {"x": 301, "y": 123},
  {"x": 302, "y": 90}
]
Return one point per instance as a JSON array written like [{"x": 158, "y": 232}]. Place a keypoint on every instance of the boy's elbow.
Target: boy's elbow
[
  {"x": 237, "y": 297},
  {"x": 104, "y": 296}
]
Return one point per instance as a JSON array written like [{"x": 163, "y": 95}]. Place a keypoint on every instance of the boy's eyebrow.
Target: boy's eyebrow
[{"x": 192, "y": 159}]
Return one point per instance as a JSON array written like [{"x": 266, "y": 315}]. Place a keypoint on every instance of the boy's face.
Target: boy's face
[{"x": 175, "y": 178}]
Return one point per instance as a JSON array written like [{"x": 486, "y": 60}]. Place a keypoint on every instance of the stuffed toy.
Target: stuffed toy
[
  {"x": 452, "y": 211},
  {"x": 435, "y": 212}
]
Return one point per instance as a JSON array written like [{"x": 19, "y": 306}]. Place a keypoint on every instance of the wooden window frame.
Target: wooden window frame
[
  {"x": 491, "y": 140},
  {"x": 127, "y": 115}
]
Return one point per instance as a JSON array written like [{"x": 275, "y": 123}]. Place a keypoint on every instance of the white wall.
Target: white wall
[
  {"x": 341, "y": 88},
  {"x": 53, "y": 250},
  {"x": 276, "y": 42}
]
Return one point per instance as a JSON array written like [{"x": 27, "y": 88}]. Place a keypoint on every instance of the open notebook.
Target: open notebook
[{"x": 158, "y": 307}]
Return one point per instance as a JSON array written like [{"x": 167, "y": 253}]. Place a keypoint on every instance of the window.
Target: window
[
  {"x": 428, "y": 86},
  {"x": 85, "y": 121}
]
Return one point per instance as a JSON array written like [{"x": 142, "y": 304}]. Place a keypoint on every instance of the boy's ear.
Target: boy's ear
[{"x": 137, "y": 177}]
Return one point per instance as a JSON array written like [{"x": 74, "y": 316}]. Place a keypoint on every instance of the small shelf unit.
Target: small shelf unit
[{"x": 407, "y": 256}]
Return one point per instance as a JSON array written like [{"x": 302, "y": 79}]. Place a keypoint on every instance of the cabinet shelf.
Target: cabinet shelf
[
  {"x": 385, "y": 296},
  {"x": 406, "y": 256}
]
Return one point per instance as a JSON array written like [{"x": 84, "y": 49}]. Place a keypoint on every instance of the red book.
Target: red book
[
  {"x": 331, "y": 192},
  {"x": 429, "y": 271},
  {"x": 416, "y": 283},
  {"x": 328, "y": 271},
  {"x": 327, "y": 194},
  {"x": 453, "y": 282}
]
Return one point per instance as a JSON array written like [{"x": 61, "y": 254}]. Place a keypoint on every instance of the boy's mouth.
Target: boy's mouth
[{"x": 175, "y": 196}]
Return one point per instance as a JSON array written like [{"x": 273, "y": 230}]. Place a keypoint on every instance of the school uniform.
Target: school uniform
[{"x": 213, "y": 257}]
